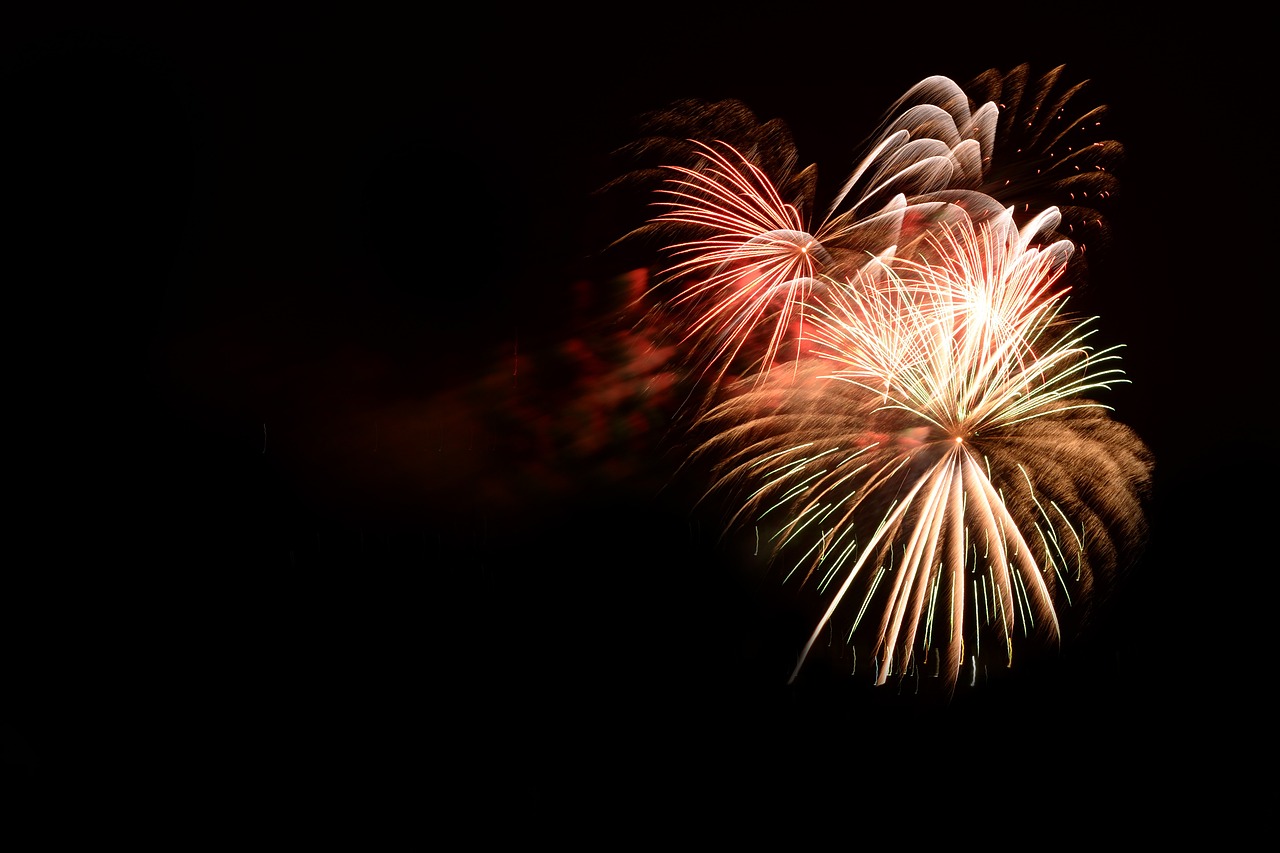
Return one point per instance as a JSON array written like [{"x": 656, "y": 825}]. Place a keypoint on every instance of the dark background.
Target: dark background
[{"x": 263, "y": 534}]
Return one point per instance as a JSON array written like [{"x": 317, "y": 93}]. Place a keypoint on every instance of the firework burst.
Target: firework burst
[
  {"x": 931, "y": 459},
  {"x": 936, "y": 466},
  {"x": 745, "y": 250}
]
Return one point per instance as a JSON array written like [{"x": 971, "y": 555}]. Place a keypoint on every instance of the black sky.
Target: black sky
[{"x": 254, "y": 251}]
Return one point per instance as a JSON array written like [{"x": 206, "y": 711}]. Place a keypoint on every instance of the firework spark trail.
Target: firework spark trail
[
  {"x": 1047, "y": 145},
  {"x": 759, "y": 259},
  {"x": 932, "y": 448}
]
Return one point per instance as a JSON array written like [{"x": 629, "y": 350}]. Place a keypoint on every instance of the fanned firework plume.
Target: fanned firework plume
[{"x": 894, "y": 392}]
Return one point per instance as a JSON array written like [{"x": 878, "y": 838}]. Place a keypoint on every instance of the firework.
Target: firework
[
  {"x": 930, "y": 458},
  {"x": 1047, "y": 148},
  {"x": 936, "y": 467},
  {"x": 745, "y": 251}
]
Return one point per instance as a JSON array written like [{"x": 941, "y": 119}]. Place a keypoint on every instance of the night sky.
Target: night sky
[{"x": 278, "y": 279}]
